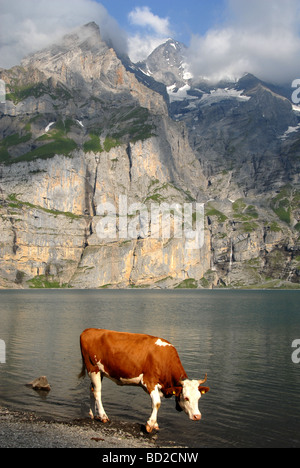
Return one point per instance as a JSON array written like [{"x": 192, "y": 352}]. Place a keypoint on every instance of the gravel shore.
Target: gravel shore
[{"x": 27, "y": 430}]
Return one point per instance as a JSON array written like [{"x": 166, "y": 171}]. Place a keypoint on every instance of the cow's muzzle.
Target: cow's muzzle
[{"x": 196, "y": 417}]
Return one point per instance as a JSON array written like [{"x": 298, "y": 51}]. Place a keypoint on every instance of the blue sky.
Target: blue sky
[{"x": 186, "y": 17}]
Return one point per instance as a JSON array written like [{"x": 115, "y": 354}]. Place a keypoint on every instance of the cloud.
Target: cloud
[
  {"x": 151, "y": 32},
  {"x": 140, "y": 46},
  {"x": 260, "y": 37},
  {"x": 30, "y": 25},
  {"x": 144, "y": 17}
]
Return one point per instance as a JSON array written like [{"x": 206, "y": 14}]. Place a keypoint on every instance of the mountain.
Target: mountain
[
  {"x": 249, "y": 127},
  {"x": 83, "y": 129},
  {"x": 77, "y": 131},
  {"x": 167, "y": 64}
]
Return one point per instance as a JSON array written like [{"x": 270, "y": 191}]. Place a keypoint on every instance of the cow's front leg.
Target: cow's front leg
[
  {"x": 97, "y": 409},
  {"x": 156, "y": 402}
]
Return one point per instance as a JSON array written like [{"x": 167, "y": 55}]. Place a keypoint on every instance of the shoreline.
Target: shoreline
[
  {"x": 20, "y": 429},
  {"x": 287, "y": 287}
]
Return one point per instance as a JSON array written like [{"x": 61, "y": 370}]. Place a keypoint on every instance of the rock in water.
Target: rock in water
[{"x": 41, "y": 383}]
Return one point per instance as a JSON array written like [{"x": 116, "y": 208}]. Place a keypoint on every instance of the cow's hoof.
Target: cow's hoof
[
  {"x": 149, "y": 428},
  {"x": 103, "y": 420}
]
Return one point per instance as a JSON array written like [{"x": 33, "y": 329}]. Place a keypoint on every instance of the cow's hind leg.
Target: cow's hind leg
[
  {"x": 156, "y": 402},
  {"x": 97, "y": 409}
]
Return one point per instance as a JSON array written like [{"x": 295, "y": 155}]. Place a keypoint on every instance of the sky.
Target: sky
[{"x": 225, "y": 38}]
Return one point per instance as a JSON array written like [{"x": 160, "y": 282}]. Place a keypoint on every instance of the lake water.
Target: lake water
[{"x": 243, "y": 340}]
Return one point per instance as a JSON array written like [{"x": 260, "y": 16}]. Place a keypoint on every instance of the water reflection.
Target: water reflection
[{"x": 241, "y": 339}]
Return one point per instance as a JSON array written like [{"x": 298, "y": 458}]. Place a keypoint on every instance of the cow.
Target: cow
[{"x": 139, "y": 360}]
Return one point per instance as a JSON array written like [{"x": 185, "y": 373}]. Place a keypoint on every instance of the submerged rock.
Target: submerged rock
[{"x": 41, "y": 383}]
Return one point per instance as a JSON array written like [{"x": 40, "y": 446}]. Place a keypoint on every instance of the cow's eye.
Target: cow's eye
[{"x": 187, "y": 399}]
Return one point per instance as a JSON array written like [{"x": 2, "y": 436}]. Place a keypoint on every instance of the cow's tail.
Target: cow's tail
[
  {"x": 83, "y": 368},
  {"x": 82, "y": 373}
]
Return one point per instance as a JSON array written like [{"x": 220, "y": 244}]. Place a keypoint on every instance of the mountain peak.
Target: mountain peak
[
  {"x": 89, "y": 32},
  {"x": 91, "y": 26},
  {"x": 174, "y": 43},
  {"x": 86, "y": 38},
  {"x": 166, "y": 63},
  {"x": 165, "y": 47}
]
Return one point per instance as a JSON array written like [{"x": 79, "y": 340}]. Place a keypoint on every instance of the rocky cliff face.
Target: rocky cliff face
[{"x": 81, "y": 132}]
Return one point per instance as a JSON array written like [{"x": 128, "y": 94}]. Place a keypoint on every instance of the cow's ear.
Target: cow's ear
[
  {"x": 177, "y": 391},
  {"x": 203, "y": 390},
  {"x": 172, "y": 391}
]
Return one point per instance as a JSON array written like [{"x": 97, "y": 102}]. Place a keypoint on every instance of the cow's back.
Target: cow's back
[
  {"x": 118, "y": 354},
  {"x": 127, "y": 355}
]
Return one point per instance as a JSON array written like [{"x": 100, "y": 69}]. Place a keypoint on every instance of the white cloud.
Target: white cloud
[
  {"x": 140, "y": 46},
  {"x": 151, "y": 32},
  {"x": 144, "y": 17},
  {"x": 30, "y": 25},
  {"x": 261, "y": 37}
]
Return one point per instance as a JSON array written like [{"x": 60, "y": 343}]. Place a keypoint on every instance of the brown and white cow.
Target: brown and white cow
[{"x": 143, "y": 360}]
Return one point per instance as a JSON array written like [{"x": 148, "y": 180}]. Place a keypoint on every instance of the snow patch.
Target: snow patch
[
  {"x": 80, "y": 123},
  {"x": 147, "y": 73},
  {"x": 180, "y": 94},
  {"x": 216, "y": 95},
  {"x": 49, "y": 126},
  {"x": 289, "y": 131},
  {"x": 220, "y": 94}
]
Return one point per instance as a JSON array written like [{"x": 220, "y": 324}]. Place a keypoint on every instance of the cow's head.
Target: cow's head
[{"x": 189, "y": 396}]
